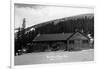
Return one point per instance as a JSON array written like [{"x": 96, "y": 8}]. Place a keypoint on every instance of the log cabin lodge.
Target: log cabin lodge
[{"x": 62, "y": 41}]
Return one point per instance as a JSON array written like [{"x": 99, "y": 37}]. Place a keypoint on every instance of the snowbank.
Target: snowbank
[{"x": 54, "y": 57}]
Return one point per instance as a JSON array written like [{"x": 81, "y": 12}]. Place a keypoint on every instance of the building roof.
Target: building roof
[
  {"x": 60, "y": 36},
  {"x": 52, "y": 37},
  {"x": 78, "y": 35}
]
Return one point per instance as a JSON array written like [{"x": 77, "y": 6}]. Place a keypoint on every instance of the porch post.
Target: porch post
[
  {"x": 49, "y": 45},
  {"x": 67, "y": 45}
]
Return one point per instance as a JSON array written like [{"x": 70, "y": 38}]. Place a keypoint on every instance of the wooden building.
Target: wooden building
[{"x": 62, "y": 41}]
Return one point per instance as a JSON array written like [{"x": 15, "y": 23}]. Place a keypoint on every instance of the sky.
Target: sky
[{"x": 36, "y": 14}]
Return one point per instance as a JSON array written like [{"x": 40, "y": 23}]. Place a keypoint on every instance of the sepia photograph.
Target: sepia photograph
[{"x": 52, "y": 34}]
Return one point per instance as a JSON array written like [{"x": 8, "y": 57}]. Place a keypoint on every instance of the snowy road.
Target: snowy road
[{"x": 54, "y": 57}]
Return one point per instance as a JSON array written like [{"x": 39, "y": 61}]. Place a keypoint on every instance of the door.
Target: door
[{"x": 77, "y": 44}]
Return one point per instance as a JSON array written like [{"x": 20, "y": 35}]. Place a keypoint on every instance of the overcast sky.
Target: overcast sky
[{"x": 36, "y": 14}]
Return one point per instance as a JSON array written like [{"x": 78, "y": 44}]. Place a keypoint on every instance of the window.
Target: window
[
  {"x": 71, "y": 42},
  {"x": 85, "y": 41}
]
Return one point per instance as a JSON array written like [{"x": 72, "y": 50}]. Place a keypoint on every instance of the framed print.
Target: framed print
[{"x": 43, "y": 33}]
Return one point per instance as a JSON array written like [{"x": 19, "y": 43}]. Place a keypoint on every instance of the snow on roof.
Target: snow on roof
[
  {"x": 61, "y": 36},
  {"x": 52, "y": 37}
]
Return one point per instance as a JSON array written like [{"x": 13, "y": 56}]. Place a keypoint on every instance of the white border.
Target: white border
[
  {"x": 12, "y": 29},
  {"x": 12, "y": 34}
]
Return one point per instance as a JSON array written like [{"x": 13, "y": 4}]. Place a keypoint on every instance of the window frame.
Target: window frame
[
  {"x": 85, "y": 41},
  {"x": 71, "y": 41}
]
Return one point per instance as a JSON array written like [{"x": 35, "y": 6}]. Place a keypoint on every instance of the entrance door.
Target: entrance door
[{"x": 77, "y": 44}]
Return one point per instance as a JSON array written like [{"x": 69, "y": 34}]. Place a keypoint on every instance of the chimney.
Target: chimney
[
  {"x": 76, "y": 30},
  {"x": 82, "y": 31}
]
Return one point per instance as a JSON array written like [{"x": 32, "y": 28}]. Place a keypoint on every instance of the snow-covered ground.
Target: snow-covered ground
[{"x": 55, "y": 57}]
